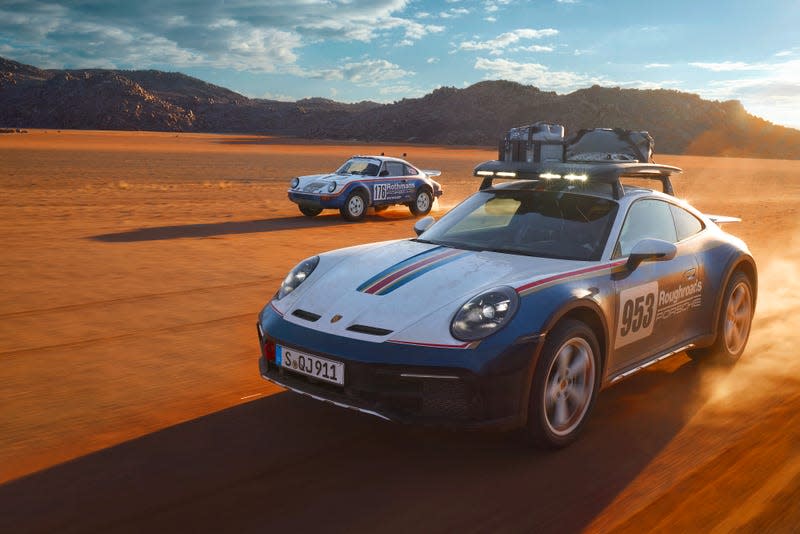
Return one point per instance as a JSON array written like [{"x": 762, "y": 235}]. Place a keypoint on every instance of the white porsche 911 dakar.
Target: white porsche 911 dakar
[
  {"x": 518, "y": 306},
  {"x": 363, "y": 182}
]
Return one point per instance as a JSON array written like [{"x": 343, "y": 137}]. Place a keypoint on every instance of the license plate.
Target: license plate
[{"x": 308, "y": 364}]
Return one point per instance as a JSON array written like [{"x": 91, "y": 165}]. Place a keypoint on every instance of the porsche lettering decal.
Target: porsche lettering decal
[{"x": 642, "y": 306}]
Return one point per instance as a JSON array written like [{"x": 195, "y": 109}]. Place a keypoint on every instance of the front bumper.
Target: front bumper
[
  {"x": 495, "y": 395},
  {"x": 316, "y": 201}
]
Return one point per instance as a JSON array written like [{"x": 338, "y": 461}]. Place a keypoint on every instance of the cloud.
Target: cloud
[
  {"x": 727, "y": 66},
  {"x": 454, "y": 12},
  {"x": 432, "y": 60},
  {"x": 657, "y": 66},
  {"x": 235, "y": 34},
  {"x": 772, "y": 90},
  {"x": 535, "y": 74},
  {"x": 503, "y": 41},
  {"x": 533, "y": 48},
  {"x": 491, "y": 6},
  {"x": 369, "y": 73}
]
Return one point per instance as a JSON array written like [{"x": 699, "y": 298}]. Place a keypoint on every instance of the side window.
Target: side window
[
  {"x": 646, "y": 218},
  {"x": 411, "y": 171},
  {"x": 395, "y": 168},
  {"x": 685, "y": 223}
]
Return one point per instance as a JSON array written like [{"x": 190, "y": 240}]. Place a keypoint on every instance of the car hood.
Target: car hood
[
  {"x": 330, "y": 176},
  {"x": 389, "y": 287}
]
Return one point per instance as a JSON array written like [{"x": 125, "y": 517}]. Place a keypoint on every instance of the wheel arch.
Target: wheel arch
[
  {"x": 746, "y": 264},
  {"x": 588, "y": 312},
  {"x": 584, "y": 310},
  {"x": 360, "y": 187}
]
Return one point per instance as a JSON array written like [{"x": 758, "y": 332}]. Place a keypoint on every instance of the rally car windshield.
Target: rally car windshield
[
  {"x": 550, "y": 224},
  {"x": 363, "y": 166}
]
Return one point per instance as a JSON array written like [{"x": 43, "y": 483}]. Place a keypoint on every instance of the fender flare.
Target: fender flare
[
  {"x": 357, "y": 186},
  {"x": 735, "y": 264},
  {"x": 572, "y": 308}
]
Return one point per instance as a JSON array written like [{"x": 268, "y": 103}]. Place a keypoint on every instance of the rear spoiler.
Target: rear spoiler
[
  {"x": 431, "y": 172},
  {"x": 722, "y": 219}
]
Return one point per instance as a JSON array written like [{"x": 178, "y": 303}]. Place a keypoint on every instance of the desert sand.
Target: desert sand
[{"x": 134, "y": 265}]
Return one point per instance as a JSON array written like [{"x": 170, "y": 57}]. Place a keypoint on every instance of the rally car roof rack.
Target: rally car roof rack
[{"x": 605, "y": 172}]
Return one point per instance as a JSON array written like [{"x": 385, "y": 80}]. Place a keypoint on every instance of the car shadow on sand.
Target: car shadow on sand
[
  {"x": 205, "y": 230},
  {"x": 288, "y": 463}
]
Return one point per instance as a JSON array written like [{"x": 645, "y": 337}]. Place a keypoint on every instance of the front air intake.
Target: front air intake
[
  {"x": 369, "y": 330},
  {"x": 307, "y": 315}
]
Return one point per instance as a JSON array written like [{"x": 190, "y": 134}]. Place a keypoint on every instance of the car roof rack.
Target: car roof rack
[{"x": 572, "y": 171}]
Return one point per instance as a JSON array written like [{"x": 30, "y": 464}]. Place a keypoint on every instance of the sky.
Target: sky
[{"x": 387, "y": 50}]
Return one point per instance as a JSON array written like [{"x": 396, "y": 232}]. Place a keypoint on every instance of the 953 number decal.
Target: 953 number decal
[{"x": 637, "y": 313}]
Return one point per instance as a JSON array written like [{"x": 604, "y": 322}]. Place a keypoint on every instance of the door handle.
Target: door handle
[{"x": 690, "y": 274}]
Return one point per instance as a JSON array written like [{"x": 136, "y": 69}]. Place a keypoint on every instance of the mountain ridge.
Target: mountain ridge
[{"x": 681, "y": 123}]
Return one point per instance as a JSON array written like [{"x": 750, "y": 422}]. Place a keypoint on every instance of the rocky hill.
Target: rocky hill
[{"x": 477, "y": 115}]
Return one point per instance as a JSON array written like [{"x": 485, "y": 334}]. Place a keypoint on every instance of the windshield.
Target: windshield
[
  {"x": 363, "y": 166},
  {"x": 550, "y": 224}
]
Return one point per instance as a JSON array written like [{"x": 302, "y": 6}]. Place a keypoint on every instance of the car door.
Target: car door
[
  {"x": 648, "y": 313},
  {"x": 387, "y": 190}
]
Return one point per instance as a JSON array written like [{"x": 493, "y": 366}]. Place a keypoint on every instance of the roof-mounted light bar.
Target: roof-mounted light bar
[
  {"x": 502, "y": 174},
  {"x": 577, "y": 172}
]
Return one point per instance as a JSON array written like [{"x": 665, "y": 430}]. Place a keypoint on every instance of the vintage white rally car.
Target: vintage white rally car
[
  {"x": 516, "y": 307},
  {"x": 364, "y": 181}
]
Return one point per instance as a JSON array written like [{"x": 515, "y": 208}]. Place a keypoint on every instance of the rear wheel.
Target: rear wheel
[
  {"x": 422, "y": 203},
  {"x": 564, "y": 386},
  {"x": 355, "y": 207},
  {"x": 735, "y": 320},
  {"x": 310, "y": 211}
]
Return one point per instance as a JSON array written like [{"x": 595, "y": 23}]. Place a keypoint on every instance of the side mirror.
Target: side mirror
[
  {"x": 651, "y": 249},
  {"x": 423, "y": 224}
]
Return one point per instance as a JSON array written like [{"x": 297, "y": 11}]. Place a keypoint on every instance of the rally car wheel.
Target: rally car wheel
[
  {"x": 422, "y": 203},
  {"x": 736, "y": 317},
  {"x": 564, "y": 386},
  {"x": 310, "y": 211},
  {"x": 355, "y": 207}
]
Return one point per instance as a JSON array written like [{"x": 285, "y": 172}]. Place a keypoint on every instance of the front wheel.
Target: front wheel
[
  {"x": 310, "y": 211},
  {"x": 355, "y": 207},
  {"x": 733, "y": 329},
  {"x": 422, "y": 203},
  {"x": 564, "y": 385}
]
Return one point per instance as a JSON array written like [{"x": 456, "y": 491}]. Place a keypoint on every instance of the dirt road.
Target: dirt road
[{"x": 134, "y": 265}]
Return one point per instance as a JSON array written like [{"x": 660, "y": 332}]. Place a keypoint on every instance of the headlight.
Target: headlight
[
  {"x": 485, "y": 314},
  {"x": 297, "y": 276},
  {"x": 331, "y": 187},
  {"x": 295, "y": 182}
]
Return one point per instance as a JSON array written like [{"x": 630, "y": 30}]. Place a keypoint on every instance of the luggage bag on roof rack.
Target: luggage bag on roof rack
[
  {"x": 535, "y": 143},
  {"x": 617, "y": 144}
]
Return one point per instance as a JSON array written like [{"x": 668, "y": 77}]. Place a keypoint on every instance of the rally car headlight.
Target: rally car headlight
[
  {"x": 485, "y": 314},
  {"x": 297, "y": 276},
  {"x": 295, "y": 182},
  {"x": 331, "y": 187}
]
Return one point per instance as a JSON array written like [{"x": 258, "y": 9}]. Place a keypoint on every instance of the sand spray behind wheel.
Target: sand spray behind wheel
[{"x": 771, "y": 360}]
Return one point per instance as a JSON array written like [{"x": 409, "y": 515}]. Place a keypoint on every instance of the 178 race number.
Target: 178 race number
[
  {"x": 637, "y": 313},
  {"x": 380, "y": 191}
]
